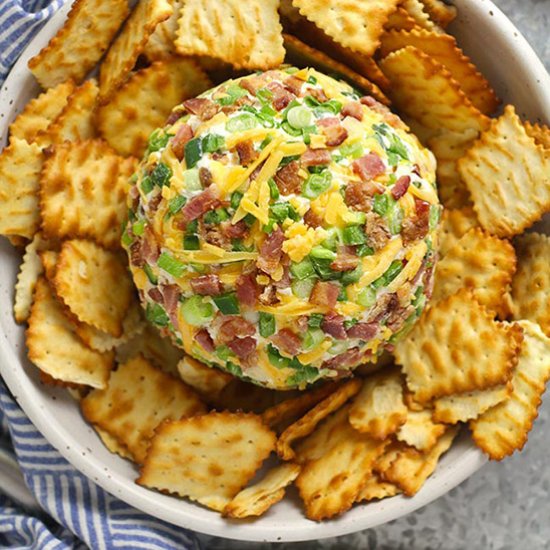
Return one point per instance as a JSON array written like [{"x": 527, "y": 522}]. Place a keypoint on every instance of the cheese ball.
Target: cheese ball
[{"x": 283, "y": 228}]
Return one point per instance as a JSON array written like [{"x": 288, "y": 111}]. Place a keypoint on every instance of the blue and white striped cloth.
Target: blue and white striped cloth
[{"x": 70, "y": 511}]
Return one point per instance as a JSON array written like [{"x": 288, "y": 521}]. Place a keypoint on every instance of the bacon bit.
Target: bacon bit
[
  {"x": 175, "y": 115},
  {"x": 284, "y": 281},
  {"x": 183, "y": 135},
  {"x": 281, "y": 96},
  {"x": 363, "y": 331},
  {"x": 345, "y": 262},
  {"x": 207, "y": 285},
  {"x": 288, "y": 179},
  {"x": 333, "y": 131},
  {"x": 155, "y": 294},
  {"x": 199, "y": 205},
  {"x": 347, "y": 359},
  {"x": 400, "y": 187},
  {"x": 398, "y": 317},
  {"x": 271, "y": 252},
  {"x": 136, "y": 255},
  {"x": 234, "y": 327},
  {"x": 171, "y": 295},
  {"x": 353, "y": 109},
  {"x": 268, "y": 297},
  {"x": 378, "y": 107},
  {"x": 213, "y": 234},
  {"x": 154, "y": 203},
  {"x": 312, "y": 219},
  {"x": 324, "y": 294},
  {"x": 204, "y": 340},
  {"x": 247, "y": 289},
  {"x": 377, "y": 231},
  {"x": 334, "y": 326},
  {"x": 242, "y": 347},
  {"x": 359, "y": 194},
  {"x": 294, "y": 85},
  {"x": 204, "y": 108},
  {"x": 315, "y": 157},
  {"x": 368, "y": 166},
  {"x": 247, "y": 153},
  {"x": 205, "y": 176},
  {"x": 228, "y": 109},
  {"x": 253, "y": 83},
  {"x": 428, "y": 282},
  {"x": 287, "y": 341},
  {"x": 149, "y": 248},
  {"x": 234, "y": 231},
  {"x": 418, "y": 226},
  {"x": 318, "y": 94}
]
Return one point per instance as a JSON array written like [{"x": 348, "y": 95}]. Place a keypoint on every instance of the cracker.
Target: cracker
[
  {"x": 137, "y": 399},
  {"x": 244, "y": 396},
  {"x": 40, "y": 112},
  {"x": 415, "y": 9},
  {"x": 508, "y": 176},
  {"x": 454, "y": 224},
  {"x": 411, "y": 468},
  {"x": 112, "y": 443},
  {"x": 441, "y": 13},
  {"x": 457, "y": 347},
  {"x": 161, "y": 351},
  {"x": 378, "y": 409},
  {"x": 20, "y": 166},
  {"x": 400, "y": 20},
  {"x": 377, "y": 489},
  {"x": 76, "y": 123},
  {"x": 467, "y": 406},
  {"x": 482, "y": 263},
  {"x": 425, "y": 90},
  {"x": 289, "y": 410},
  {"x": 161, "y": 43},
  {"x": 56, "y": 350},
  {"x": 49, "y": 262},
  {"x": 444, "y": 49},
  {"x": 145, "y": 100},
  {"x": 531, "y": 284},
  {"x": 207, "y": 381},
  {"x": 504, "y": 429},
  {"x": 94, "y": 284},
  {"x": 330, "y": 484},
  {"x": 244, "y": 33},
  {"x": 131, "y": 41},
  {"x": 539, "y": 132},
  {"x": 420, "y": 431},
  {"x": 355, "y": 25},
  {"x": 305, "y": 425},
  {"x": 83, "y": 192},
  {"x": 80, "y": 42},
  {"x": 257, "y": 499},
  {"x": 303, "y": 55},
  {"x": 207, "y": 458}
]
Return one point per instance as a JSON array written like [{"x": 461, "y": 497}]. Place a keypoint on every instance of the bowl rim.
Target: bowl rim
[{"x": 201, "y": 520}]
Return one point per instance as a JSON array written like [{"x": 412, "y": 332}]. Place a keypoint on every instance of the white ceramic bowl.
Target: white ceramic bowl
[{"x": 518, "y": 76}]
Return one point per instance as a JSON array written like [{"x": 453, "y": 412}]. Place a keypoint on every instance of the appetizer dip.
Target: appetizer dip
[{"x": 283, "y": 228}]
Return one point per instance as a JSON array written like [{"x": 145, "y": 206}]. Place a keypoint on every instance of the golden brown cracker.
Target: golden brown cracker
[
  {"x": 207, "y": 458},
  {"x": 420, "y": 431},
  {"x": 161, "y": 43},
  {"x": 376, "y": 489},
  {"x": 441, "y": 13},
  {"x": 112, "y": 443},
  {"x": 207, "y": 381},
  {"x": 400, "y": 20},
  {"x": 454, "y": 224},
  {"x": 540, "y": 133}
]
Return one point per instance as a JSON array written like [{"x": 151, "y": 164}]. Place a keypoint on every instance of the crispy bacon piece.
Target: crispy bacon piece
[
  {"x": 345, "y": 262},
  {"x": 334, "y": 132},
  {"x": 400, "y": 187},
  {"x": 199, "y": 205},
  {"x": 247, "y": 153},
  {"x": 242, "y": 347},
  {"x": 378, "y": 107},
  {"x": 253, "y": 83},
  {"x": 205, "y": 176},
  {"x": 312, "y": 219},
  {"x": 136, "y": 255},
  {"x": 234, "y": 230},
  {"x": 287, "y": 341},
  {"x": 353, "y": 109},
  {"x": 207, "y": 285},
  {"x": 359, "y": 194},
  {"x": 204, "y": 108},
  {"x": 345, "y": 360},
  {"x": 268, "y": 297},
  {"x": 294, "y": 85},
  {"x": 288, "y": 179},
  {"x": 155, "y": 294},
  {"x": 418, "y": 226},
  {"x": 175, "y": 115},
  {"x": 315, "y": 157},
  {"x": 334, "y": 326},
  {"x": 281, "y": 96},
  {"x": 318, "y": 94},
  {"x": 205, "y": 340},
  {"x": 183, "y": 135},
  {"x": 324, "y": 294},
  {"x": 247, "y": 289},
  {"x": 149, "y": 246},
  {"x": 271, "y": 252},
  {"x": 398, "y": 317},
  {"x": 363, "y": 331},
  {"x": 377, "y": 231},
  {"x": 368, "y": 166},
  {"x": 234, "y": 327},
  {"x": 171, "y": 296}
]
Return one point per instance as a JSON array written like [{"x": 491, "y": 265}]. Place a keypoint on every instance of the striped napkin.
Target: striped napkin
[{"x": 45, "y": 503}]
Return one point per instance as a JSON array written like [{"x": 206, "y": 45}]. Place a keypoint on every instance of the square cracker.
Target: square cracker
[
  {"x": 131, "y": 41},
  {"x": 504, "y": 428},
  {"x": 161, "y": 43},
  {"x": 420, "y": 431},
  {"x": 207, "y": 458},
  {"x": 508, "y": 176},
  {"x": 56, "y": 350},
  {"x": 457, "y": 347},
  {"x": 531, "y": 283},
  {"x": 94, "y": 284},
  {"x": 454, "y": 224},
  {"x": 83, "y": 192},
  {"x": 481, "y": 262},
  {"x": 137, "y": 399},
  {"x": 145, "y": 100},
  {"x": 80, "y": 43},
  {"x": 356, "y": 25},
  {"x": 244, "y": 33}
]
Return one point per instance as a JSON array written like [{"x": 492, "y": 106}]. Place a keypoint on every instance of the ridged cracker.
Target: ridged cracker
[
  {"x": 440, "y": 12},
  {"x": 454, "y": 224},
  {"x": 161, "y": 43},
  {"x": 207, "y": 381},
  {"x": 540, "y": 133},
  {"x": 400, "y": 20},
  {"x": 377, "y": 489},
  {"x": 420, "y": 431},
  {"x": 416, "y": 10}
]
